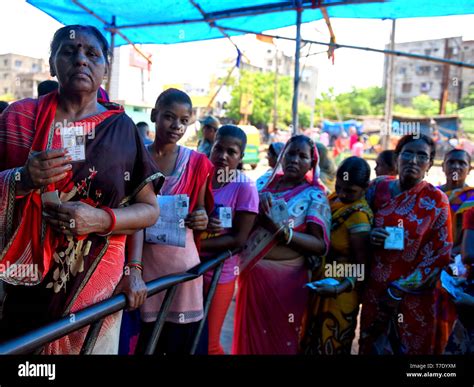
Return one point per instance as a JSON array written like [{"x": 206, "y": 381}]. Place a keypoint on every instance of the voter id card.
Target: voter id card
[
  {"x": 279, "y": 211},
  {"x": 225, "y": 216},
  {"x": 395, "y": 240},
  {"x": 73, "y": 139}
]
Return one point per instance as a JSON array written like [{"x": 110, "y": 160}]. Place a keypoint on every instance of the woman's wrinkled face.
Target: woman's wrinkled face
[
  {"x": 226, "y": 153},
  {"x": 297, "y": 161},
  {"x": 348, "y": 192},
  {"x": 171, "y": 121},
  {"x": 414, "y": 160},
  {"x": 79, "y": 63},
  {"x": 456, "y": 167}
]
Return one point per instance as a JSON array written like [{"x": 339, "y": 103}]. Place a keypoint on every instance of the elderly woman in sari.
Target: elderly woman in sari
[
  {"x": 456, "y": 166},
  {"x": 412, "y": 243},
  {"x": 68, "y": 219},
  {"x": 292, "y": 230}
]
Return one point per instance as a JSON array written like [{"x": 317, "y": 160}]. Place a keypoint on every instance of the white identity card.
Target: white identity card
[
  {"x": 395, "y": 240},
  {"x": 73, "y": 139},
  {"x": 170, "y": 229},
  {"x": 279, "y": 212},
  {"x": 225, "y": 216}
]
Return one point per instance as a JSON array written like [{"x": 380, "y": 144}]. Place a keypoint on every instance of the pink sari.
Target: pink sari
[
  {"x": 192, "y": 171},
  {"x": 271, "y": 298}
]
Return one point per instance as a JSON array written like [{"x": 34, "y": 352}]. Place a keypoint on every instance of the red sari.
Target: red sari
[
  {"x": 72, "y": 272},
  {"x": 424, "y": 213}
]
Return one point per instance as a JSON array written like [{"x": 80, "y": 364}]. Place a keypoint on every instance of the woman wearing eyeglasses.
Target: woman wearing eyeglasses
[{"x": 412, "y": 242}]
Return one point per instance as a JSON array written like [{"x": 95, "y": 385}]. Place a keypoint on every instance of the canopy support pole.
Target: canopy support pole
[
  {"x": 296, "y": 80},
  {"x": 112, "y": 46},
  {"x": 389, "y": 93}
]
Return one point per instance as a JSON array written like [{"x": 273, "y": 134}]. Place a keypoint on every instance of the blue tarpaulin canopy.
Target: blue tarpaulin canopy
[
  {"x": 177, "y": 21},
  {"x": 336, "y": 128}
]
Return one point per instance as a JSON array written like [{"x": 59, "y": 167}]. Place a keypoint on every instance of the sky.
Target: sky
[{"x": 28, "y": 31}]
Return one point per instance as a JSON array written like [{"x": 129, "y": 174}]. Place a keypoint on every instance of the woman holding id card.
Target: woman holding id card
[
  {"x": 412, "y": 242},
  {"x": 236, "y": 199},
  {"x": 292, "y": 230},
  {"x": 75, "y": 179}
]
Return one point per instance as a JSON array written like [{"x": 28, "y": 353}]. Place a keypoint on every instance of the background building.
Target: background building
[
  {"x": 413, "y": 77},
  {"x": 20, "y": 75}
]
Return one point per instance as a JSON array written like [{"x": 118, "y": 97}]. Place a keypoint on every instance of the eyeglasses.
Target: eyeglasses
[{"x": 420, "y": 157}]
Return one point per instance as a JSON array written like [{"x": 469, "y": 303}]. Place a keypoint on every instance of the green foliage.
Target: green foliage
[
  {"x": 368, "y": 101},
  {"x": 424, "y": 105},
  {"x": 262, "y": 88},
  {"x": 468, "y": 100}
]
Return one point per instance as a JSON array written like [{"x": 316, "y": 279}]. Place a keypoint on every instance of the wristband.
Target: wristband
[{"x": 112, "y": 224}]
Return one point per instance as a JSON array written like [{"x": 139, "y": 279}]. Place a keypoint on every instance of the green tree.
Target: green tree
[
  {"x": 468, "y": 100},
  {"x": 261, "y": 87},
  {"x": 368, "y": 101},
  {"x": 424, "y": 105}
]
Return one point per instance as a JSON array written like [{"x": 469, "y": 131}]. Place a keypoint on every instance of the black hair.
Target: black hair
[
  {"x": 305, "y": 139},
  {"x": 64, "y": 33},
  {"x": 142, "y": 128},
  {"x": 389, "y": 159},
  {"x": 410, "y": 138},
  {"x": 170, "y": 96},
  {"x": 47, "y": 87},
  {"x": 275, "y": 148},
  {"x": 233, "y": 131},
  {"x": 3, "y": 106},
  {"x": 355, "y": 170},
  {"x": 446, "y": 156}
]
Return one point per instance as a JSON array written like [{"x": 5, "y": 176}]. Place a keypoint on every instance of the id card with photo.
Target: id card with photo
[
  {"x": 395, "y": 241},
  {"x": 225, "y": 216},
  {"x": 279, "y": 211},
  {"x": 73, "y": 139}
]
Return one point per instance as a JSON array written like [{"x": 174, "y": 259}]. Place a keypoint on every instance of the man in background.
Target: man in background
[
  {"x": 210, "y": 125},
  {"x": 144, "y": 131}
]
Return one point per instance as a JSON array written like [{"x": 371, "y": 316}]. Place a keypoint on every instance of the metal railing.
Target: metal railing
[{"x": 94, "y": 315}]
